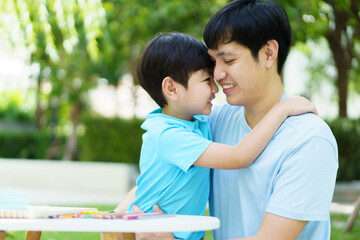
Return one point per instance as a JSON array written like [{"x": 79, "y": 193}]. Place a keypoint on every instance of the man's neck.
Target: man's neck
[{"x": 256, "y": 112}]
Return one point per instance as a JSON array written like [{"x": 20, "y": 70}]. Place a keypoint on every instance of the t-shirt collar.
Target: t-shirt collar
[
  {"x": 284, "y": 96},
  {"x": 248, "y": 128},
  {"x": 196, "y": 120}
]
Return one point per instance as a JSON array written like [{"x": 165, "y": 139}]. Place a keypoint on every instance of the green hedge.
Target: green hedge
[
  {"x": 347, "y": 134},
  {"x": 28, "y": 144},
  {"x": 119, "y": 140},
  {"x": 111, "y": 140}
]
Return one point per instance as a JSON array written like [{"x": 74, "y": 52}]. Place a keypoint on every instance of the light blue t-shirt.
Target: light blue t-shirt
[
  {"x": 294, "y": 176},
  {"x": 167, "y": 177}
]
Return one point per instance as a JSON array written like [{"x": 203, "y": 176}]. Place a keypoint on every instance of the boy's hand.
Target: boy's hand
[
  {"x": 297, "y": 105},
  {"x": 152, "y": 236}
]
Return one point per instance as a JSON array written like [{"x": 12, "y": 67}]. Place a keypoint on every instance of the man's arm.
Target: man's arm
[{"x": 274, "y": 227}]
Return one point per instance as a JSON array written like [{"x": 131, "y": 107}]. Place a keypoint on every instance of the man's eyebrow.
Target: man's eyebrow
[{"x": 224, "y": 53}]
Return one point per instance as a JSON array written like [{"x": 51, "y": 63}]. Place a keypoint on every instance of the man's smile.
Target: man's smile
[{"x": 227, "y": 86}]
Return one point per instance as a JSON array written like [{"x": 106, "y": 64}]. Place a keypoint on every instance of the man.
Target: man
[{"x": 286, "y": 193}]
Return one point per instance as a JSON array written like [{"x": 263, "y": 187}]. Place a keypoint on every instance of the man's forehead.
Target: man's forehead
[{"x": 223, "y": 50}]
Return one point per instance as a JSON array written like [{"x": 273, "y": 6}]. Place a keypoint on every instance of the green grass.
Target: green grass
[
  {"x": 337, "y": 224},
  {"x": 337, "y": 220}
]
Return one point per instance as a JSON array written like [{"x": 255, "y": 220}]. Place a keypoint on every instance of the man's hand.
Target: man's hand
[{"x": 152, "y": 236}]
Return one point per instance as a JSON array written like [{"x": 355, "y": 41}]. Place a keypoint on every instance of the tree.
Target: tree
[
  {"x": 62, "y": 37},
  {"x": 338, "y": 21},
  {"x": 77, "y": 42},
  {"x": 131, "y": 24}
]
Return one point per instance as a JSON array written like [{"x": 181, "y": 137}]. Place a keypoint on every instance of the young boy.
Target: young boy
[{"x": 177, "y": 151}]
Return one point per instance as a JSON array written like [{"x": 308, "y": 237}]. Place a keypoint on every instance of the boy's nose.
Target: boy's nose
[{"x": 214, "y": 87}]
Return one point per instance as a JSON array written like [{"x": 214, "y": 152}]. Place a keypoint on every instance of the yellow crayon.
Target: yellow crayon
[
  {"x": 67, "y": 216},
  {"x": 92, "y": 212}
]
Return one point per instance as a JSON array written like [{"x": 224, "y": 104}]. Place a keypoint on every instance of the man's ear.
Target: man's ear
[
  {"x": 271, "y": 52},
  {"x": 169, "y": 88}
]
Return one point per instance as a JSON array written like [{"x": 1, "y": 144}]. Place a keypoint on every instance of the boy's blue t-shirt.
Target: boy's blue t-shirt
[{"x": 167, "y": 177}]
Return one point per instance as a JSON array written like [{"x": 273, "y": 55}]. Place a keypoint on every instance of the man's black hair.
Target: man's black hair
[{"x": 250, "y": 23}]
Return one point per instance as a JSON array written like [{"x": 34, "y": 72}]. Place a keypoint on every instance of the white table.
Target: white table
[{"x": 111, "y": 227}]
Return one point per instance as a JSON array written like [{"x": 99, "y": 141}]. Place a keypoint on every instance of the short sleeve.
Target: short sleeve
[
  {"x": 304, "y": 185},
  {"x": 182, "y": 147}
]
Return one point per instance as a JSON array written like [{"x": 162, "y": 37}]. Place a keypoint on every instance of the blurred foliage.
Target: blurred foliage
[
  {"x": 62, "y": 38},
  {"x": 19, "y": 106},
  {"x": 119, "y": 140},
  {"x": 77, "y": 43},
  {"x": 104, "y": 139},
  {"x": 337, "y": 22},
  {"x": 131, "y": 24},
  {"x": 24, "y": 144},
  {"x": 347, "y": 134},
  {"x": 111, "y": 140},
  {"x": 320, "y": 66}
]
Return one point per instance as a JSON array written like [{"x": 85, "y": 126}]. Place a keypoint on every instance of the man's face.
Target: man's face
[{"x": 242, "y": 77}]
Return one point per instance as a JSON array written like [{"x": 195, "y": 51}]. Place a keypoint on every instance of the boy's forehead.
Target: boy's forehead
[{"x": 201, "y": 73}]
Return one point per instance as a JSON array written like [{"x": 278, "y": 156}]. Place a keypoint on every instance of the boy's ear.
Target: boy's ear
[
  {"x": 169, "y": 88},
  {"x": 271, "y": 52}
]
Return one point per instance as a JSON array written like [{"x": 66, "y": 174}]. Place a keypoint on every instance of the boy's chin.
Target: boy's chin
[{"x": 206, "y": 112}]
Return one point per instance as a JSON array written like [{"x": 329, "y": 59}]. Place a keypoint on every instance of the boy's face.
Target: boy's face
[
  {"x": 196, "y": 99},
  {"x": 242, "y": 77}
]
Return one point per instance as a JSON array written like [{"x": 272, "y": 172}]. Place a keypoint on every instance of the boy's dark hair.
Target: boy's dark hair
[
  {"x": 175, "y": 55},
  {"x": 250, "y": 23}
]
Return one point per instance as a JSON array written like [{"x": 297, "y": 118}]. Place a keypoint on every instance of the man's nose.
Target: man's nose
[{"x": 219, "y": 73}]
